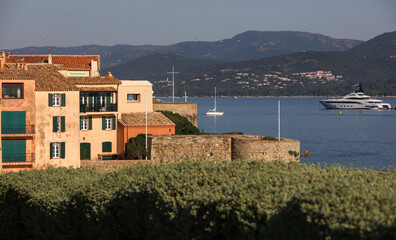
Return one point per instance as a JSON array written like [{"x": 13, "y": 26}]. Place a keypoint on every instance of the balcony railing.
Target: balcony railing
[
  {"x": 17, "y": 129},
  {"x": 98, "y": 108},
  {"x": 18, "y": 157}
]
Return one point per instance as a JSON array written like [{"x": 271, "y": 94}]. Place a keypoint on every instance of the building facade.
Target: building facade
[{"x": 56, "y": 110}]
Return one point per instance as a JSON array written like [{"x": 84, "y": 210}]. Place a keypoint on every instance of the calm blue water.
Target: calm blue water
[{"x": 362, "y": 138}]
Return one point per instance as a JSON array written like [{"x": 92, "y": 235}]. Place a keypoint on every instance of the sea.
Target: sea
[{"x": 351, "y": 138}]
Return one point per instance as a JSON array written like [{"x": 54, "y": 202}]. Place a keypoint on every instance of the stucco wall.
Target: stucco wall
[
  {"x": 125, "y": 133},
  {"x": 135, "y": 87},
  {"x": 222, "y": 147},
  {"x": 188, "y": 110},
  {"x": 44, "y": 130},
  {"x": 97, "y": 136}
]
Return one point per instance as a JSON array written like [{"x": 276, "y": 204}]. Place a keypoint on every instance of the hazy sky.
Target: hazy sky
[{"x": 61, "y": 23}]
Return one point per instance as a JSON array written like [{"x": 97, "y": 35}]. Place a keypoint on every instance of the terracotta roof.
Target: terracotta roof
[
  {"x": 139, "y": 119},
  {"x": 49, "y": 79},
  {"x": 97, "y": 89},
  {"x": 69, "y": 61},
  {"x": 94, "y": 80},
  {"x": 15, "y": 74}
]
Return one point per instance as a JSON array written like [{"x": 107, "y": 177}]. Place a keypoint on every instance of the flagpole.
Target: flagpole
[
  {"x": 278, "y": 120},
  {"x": 146, "y": 122}
]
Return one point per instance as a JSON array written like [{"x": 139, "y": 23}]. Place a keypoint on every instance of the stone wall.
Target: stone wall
[
  {"x": 177, "y": 148},
  {"x": 171, "y": 149},
  {"x": 186, "y": 109},
  {"x": 269, "y": 150}
]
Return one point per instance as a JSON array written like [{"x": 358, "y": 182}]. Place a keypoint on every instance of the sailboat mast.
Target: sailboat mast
[{"x": 215, "y": 100}]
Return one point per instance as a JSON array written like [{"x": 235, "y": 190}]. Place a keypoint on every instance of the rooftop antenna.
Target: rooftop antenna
[{"x": 173, "y": 81}]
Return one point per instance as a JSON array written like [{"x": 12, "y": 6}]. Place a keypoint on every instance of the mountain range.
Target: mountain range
[
  {"x": 244, "y": 46},
  {"x": 255, "y": 63}
]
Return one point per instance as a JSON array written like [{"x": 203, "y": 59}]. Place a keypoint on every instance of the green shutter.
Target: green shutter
[
  {"x": 55, "y": 124},
  {"x": 51, "y": 151},
  {"x": 85, "y": 149},
  {"x": 90, "y": 98},
  {"x": 90, "y": 122},
  {"x": 63, "y": 99},
  {"x": 50, "y": 99},
  {"x": 106, "y": 146},
  {"x": 103, "y": 123},
  {"x": 108, "y": 102},
  {"x": 96, "y": 102},
  {"x": 13, "y": 122},
  {"x": 14, "y": 150},
  {"x": 80, "y": 123},
  {"x": 63, "y": 124},
  {"x": 62, "y": 149},
  {"x": 114, "y": 122}
]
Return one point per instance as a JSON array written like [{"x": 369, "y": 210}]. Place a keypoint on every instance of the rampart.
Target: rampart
[
  {"x": 171, "y": 149},
  {"x": 185, "y": 109}
]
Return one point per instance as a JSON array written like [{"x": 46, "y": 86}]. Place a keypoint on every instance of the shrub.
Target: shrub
[
  {"x": 183, "y": 126},
  {"x": 136, "y": 147},
  {"x": 200, "y": 200}
]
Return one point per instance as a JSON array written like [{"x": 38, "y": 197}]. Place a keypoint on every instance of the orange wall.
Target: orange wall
[{"x": 125, "y": 133}]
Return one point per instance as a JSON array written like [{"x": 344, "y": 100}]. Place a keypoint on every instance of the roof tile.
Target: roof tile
[
  {"x": 94, "y": 80},
  {"x": 139, "y": 119},
  {"x": 76, "y": 62}
]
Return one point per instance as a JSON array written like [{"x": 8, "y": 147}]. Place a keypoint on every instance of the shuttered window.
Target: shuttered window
[{"x": 106, "y": 146}]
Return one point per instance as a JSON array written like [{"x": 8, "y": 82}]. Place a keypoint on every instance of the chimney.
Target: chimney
[
  {"x": 109, "y": 74},
  {"x": 2, "y": 59},
  {"x": 49, "y": 58},
  {"x": 93, "y": 72}
]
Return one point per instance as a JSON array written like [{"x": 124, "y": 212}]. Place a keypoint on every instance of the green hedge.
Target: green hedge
[{"x": 200, "y": 200}]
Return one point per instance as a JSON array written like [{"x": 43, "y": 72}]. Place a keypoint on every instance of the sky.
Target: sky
[{"x": 60, "y": 23}]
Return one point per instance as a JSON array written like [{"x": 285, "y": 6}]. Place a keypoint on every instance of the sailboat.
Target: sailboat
[{"x": 214, "y": 110}]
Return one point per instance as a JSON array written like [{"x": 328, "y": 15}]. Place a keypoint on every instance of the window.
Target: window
[
  {"x": 133, "y": 97},
  {"x": 106, "y": 146},
  {"x": 108, "y": 123},
  {"x": 58, "y": 124},
  {"x": 56, "y": 100},
  {"x": 55, "y": 150},
  {"x": 84, "y": 99},
  {"x": 12, "y": 90},
  {"x": 84, "y": 123}
]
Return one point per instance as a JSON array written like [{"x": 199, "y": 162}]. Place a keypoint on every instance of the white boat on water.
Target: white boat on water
[
  {"x": 355, "y": 100},
  {"x": 214, "y": 110}
]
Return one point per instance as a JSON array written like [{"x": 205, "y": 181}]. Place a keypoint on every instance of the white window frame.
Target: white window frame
[
  {"x": 56, "y": 98},
  {"x": 102, "y": 100},
  {"x": 84, "y": 99},
  {"x": 137, "y": 96},
  {"x": 84, "y": 123},
  {"x": 55, "y": 150},
  {"x": 108, "y": 123}
]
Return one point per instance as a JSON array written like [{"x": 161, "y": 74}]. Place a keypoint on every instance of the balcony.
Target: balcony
[
  {"x": 98, "y": 108},
  {"x": 17, "y": 130},
  {"x": 18, "y": 158}
]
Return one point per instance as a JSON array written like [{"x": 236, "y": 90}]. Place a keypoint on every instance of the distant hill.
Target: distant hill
[
  {"x": 383, "y": 45},
  {"x": 154, "y": 67},
  {"x": 247, "y": 45}
]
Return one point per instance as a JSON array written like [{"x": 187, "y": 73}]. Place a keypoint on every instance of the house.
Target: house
[{"x": 56, "y": 109}]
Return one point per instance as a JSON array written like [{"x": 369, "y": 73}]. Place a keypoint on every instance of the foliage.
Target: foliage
[
  {"x": 200, "y": 200},
  {"x": 136, "y": 147},
  {"x": 269, "y": 138},
  {"x": 183, "y": 126},
  {"x": 294, "y": 153}
]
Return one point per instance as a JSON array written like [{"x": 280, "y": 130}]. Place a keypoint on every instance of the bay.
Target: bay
[{"x": 362, "y": 138}]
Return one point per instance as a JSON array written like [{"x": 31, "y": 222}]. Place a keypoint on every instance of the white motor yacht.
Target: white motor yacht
[{"x": 355, "y": 100}]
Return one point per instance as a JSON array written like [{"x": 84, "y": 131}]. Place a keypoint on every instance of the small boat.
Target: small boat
[
  {"x": 214, "y": 110},
  {"x": 355, "y": 100}
]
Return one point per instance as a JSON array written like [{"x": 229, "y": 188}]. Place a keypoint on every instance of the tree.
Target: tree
[{"x": 183, "y": 126}]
